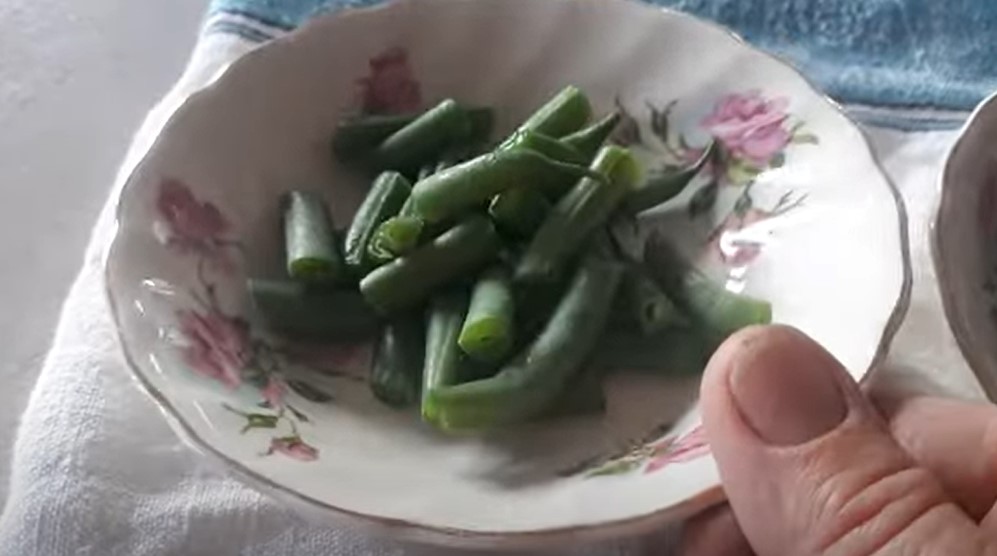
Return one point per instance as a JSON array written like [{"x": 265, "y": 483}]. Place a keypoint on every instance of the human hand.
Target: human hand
[{"x": 811, "y": 467}]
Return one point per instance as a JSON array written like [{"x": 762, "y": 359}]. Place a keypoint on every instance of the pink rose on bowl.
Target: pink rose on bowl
[
  {"x": 294, "y": 447},
  {"x": 218, "y": 346},
  {"x": 391, "y": 87},
  {"x": 750, "y": 127},
  {"x": 190, "y": 224}
]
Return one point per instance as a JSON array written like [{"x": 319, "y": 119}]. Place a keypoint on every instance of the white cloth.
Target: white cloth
[{"x": 98, "y": 471}]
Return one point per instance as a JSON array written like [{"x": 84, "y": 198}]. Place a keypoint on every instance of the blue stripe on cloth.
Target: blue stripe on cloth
[
  {"x": 238, "y": 29},
  {"x": 911, "y": 53}
]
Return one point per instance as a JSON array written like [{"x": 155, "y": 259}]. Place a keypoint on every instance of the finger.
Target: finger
[
  {"x": 955, "y": 440},
  {"x": 989, "y": 522},
  {"x": 714, "y": 533},
  {"x": 807, "y": 464}
]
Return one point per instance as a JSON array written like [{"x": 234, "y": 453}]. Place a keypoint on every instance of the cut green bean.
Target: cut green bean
[
  {"x": 488, "y": 330},
  {"x": 535, "y": 378},
  {"x": 472, "y": 184},
  {"x": 519, "y": 212},
  {"x": 565, "y": 113},
  {"x": 423, "y": 140},
  {"x": 311, "y": 313},
  {"x": 356, "y": 137},
  {"x": 536, "y": 303},
  {"x": 647, "y": 306},
  {"x": 675, "y": 352},
  {"x": 662, "y": 188},
  {"x": 396, "y": 236},
  {"x": 396, "y": 375},
  {"x": 546, "y": 145},
  {"x": 408, "y": 281},
  {"x": 554, "y": 149},
  {"x": 386, "y": 197},
  {"x": 442, "y": 365},
  {"x": 589, "y": 140},
  {"x": 707, "y": 303},
  {"x": 310, "y": 242},
  {"x": 581, "y": 211}
]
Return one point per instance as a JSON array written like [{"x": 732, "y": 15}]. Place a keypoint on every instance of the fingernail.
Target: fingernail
[{"x": 784, "y": 385}]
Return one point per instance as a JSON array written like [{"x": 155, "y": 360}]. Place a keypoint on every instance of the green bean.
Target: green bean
[
  {"x": 424, "y": 139},
  {"x": 310, "y": 243},
  {"x": 647, "y": 306},
  {"x": 472, "y": 369},
  {"x": 589, "y": 140},
  {"x": 386, "y": 197},
  {"x": 536, "y": 303},
  {"x": 675, "y": 352},
  {"x": 662, "y": 188},
  {"x": 708, "y": 304},
  {"x": 581, "y": 211},
  {"x": 488, "y": 330},
  {"x": 356, "y": 137},
  {"x": 408, "y": 281},
  {"x": 401, "y": 234},
  {"x": 311, "y": 313},
  {"x": 471, "y": 184},
  {"x": 396, "y": 374},
  {"x": 546, "y": 145},
  {"x": 554, "y": 149},
  {"x": 442, "y": 365},
  {"x": 396, "y": 236},
  {"x": 566, "y": 113},
  {"x": 520, "y": 211},
  {"x": 527, "y": 386}
]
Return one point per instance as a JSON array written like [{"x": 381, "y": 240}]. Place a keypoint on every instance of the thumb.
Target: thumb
[{"x": 807, "y": 464}]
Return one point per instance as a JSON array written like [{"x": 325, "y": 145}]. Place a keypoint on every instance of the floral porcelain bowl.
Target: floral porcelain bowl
[
  {"x": 964, "y": 236},
  {"x": 798, "y": 213}
]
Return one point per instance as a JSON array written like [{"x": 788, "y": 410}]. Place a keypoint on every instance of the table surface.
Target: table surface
[{"x": 76, "y": 79}]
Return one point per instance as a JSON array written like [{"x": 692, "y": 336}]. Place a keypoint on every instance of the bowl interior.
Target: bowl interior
[
  {"x": 799, "y": 214},
  {"x": 965, "y": 230}
]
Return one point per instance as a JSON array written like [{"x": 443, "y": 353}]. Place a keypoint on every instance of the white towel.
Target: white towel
[{"x": 98, "y": 471}]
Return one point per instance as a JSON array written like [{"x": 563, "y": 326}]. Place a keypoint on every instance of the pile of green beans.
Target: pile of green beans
[{"x": 487, "y": 274}]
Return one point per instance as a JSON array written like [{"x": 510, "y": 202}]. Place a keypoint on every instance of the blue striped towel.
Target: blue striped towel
[{"x": 913, "y": 64}]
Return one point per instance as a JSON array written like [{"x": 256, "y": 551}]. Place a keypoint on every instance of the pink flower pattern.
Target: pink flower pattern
[
  {"x": 218, "y": 345},
  {"x": 750, "y": 127},
  {"x": 391, "y": 87},
  {"x": 294, "y": 447},
  {"x": 693, "y": 445},
  {"x": 654, "y": 456},
  {"x": 192, "y": 226}
]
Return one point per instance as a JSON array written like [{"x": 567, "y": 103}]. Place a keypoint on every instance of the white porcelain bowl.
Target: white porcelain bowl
[{"x": 802, "y": 216}]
